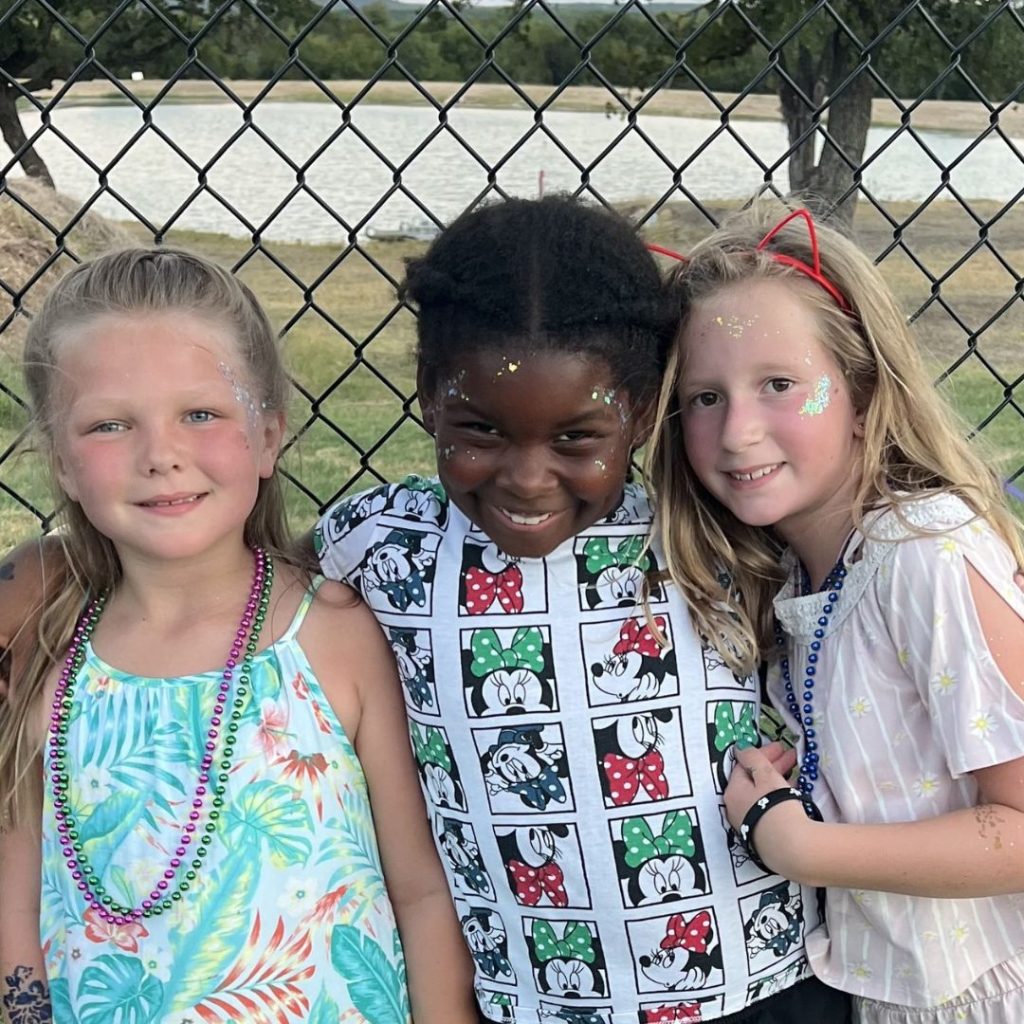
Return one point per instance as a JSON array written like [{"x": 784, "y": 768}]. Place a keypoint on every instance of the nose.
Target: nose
[
  {"x": 160, "y": 451},
  {"x": 742, "y": 426},
  {"x": 525, "y": 472}
]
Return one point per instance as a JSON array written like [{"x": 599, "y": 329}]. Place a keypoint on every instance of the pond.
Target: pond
[{"x": 243, "y": 173}]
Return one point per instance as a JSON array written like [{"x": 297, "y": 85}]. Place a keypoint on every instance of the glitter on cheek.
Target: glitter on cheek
[
  {"x": 447, "y": 453},
  {"x": 817, "y": 403},
  {"x": 601, "y": 465},
  {"x": 507, "y": 367}
]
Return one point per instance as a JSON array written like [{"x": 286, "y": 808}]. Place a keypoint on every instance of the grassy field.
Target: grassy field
[{"x": 353, "y": 407}]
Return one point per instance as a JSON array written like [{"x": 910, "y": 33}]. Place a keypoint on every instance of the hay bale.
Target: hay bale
[{"x": 27, "y": 247}]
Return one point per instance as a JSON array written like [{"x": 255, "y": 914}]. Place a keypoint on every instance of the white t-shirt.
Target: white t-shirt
[
  {"x": 908, "y": 701},
  {"x": 572, "y": 767}
]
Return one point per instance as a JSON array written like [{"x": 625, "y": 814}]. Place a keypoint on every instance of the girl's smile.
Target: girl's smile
[{"x": 534, "y": 455}]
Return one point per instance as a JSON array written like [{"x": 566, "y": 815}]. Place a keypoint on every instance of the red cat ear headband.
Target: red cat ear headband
[{"x": 808, "y": 270}]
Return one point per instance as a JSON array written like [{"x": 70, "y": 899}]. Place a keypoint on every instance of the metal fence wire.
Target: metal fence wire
[{"x": 952, "y": 243}]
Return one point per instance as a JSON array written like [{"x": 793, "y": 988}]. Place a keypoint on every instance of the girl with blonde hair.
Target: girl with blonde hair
[
  {"x": 203, "y": 727},
  {"x": 798, "y": 419}
]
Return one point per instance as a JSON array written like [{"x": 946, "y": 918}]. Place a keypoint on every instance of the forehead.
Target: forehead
[
  {"x": 150, "y": 345},
  {"x": 750, "y": 319},
  {"x": 532, "y": 384}
]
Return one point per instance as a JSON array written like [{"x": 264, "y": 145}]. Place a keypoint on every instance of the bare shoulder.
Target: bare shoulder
[
  {"x": 340, "y": 625},
  {"x": 27, "y": 575}
]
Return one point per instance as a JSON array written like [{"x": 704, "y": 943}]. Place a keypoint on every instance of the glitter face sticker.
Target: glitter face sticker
[
  {"x": 243, "y": 395},
  {"x": 816, "y": 403},
  {"x": 453, "y": 387},
  {"x": 736, "y": 325},
  {"x": 507, "y": 366}
]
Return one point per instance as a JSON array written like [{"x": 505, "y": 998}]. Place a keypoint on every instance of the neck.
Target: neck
[
  {"x": 166, "y": 591},
  {"x": 819, "y": 545}
]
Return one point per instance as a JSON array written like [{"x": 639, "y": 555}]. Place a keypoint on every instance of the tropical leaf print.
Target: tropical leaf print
[
  {"x": 325, "y": 1010},
  {"x": 206, "y": 950},
  {"x": 264, "y": 987},
  {"x": 268, "y": 815},
  {"x": 116, "y": 990},
  {"x": 374, "y": 986},
  {"x": 353, "y": 847}
]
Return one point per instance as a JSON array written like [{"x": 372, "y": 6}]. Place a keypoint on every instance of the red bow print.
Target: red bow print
[
  {"x": 482, "y": 587},
  {"x": 692, "y": 936},
  {"x": 635, "y": 635},
  {"x": 531, "y": 883},
  {"x": 627, "y": 775},
  {"x": 688, "y": 1013}
]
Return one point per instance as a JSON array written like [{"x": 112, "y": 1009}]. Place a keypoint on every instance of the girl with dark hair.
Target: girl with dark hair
[{"x": 572, "y": 749}]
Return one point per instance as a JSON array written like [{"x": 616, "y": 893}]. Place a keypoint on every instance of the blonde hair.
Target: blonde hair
[
  {"x": 728, "y": 571},
  {"x": 127, "y": 283}
]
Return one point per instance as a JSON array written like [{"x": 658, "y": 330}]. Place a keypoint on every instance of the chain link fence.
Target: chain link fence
[{"x": 312, "y": 147}]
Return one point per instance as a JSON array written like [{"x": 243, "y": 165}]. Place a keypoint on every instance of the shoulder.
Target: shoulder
[
  {"x": 339, "y": 623},
  {"x": 29, "y": 576}
]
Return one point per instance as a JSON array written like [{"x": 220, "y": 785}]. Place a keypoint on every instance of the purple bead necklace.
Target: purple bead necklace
[{"x": 174, "y": 881}]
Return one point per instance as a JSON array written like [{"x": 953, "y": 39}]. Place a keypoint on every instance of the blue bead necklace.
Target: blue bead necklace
[{"x": 804, "y": 713}]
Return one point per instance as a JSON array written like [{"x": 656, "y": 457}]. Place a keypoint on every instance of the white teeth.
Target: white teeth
[
  {"x": 756, "y": 474},
  {"x": 169, "y": 504},
  {"x": 521, "y": 520}
]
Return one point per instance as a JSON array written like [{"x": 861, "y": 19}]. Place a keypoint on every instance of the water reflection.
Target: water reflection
[{"x": 445, "y": 165}]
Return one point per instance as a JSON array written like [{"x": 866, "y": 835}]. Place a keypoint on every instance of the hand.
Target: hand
[
  {"x": 758, "y": 770},
  {"x": 781, "y": 831}
]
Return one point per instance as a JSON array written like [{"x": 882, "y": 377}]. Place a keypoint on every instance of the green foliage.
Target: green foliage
[{"x": 630, "y": 47}]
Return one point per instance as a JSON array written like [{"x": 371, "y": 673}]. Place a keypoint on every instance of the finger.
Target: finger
[
  {"x": 786, "y": 762},
  {"x": 751, "y": 757}
]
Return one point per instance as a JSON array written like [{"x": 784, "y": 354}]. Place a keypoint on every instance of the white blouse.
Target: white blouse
[{"x": 908, "y": 702}]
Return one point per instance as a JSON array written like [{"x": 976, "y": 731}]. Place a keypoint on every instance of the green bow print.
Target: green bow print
[
  {"x": 525, "y": 651},
  {"x": 642, "y": 844},
  {"x": 430, "y": 749},
  {"x": 731, "y": 729},
  {"x": 576, "y": 942},
  {"x": 600, "y": 555}
]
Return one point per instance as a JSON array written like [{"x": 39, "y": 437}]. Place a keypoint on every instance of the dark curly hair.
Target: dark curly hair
[{"x": 551, "y": 273}]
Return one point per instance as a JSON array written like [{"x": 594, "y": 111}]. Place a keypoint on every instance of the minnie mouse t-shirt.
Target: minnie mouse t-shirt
[{"x": 573, "y": 766}]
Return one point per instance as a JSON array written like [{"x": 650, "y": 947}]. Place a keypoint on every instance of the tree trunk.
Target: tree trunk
[
  {"x": 824, "y": 182},
  {"x": 14, "y": 135}
]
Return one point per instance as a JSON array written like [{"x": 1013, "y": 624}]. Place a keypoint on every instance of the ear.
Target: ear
[
  {"x": 272, "y": 439},
  {"x": 858, "y": 424},
  {"x": 426, "y": 395}
]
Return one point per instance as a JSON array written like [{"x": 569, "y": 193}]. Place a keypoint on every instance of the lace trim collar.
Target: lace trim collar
[{"x": 866, "y": 551}]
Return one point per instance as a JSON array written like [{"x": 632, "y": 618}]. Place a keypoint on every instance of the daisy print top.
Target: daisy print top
[
  {"x": 288, "y": 918},
  {"x": 909, "y": 702}
]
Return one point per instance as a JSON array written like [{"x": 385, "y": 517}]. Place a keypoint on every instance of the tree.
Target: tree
[
  {"x": 823, "y": 73},
  {"x": 37, "y": 48}
]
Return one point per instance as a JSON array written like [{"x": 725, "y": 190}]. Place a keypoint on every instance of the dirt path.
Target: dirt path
[{"x": 942, "y": 115}]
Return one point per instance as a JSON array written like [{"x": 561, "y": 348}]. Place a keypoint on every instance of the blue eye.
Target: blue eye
[
  {"x": 107, "y": 427},
  {"x": 200, "y": 416}
]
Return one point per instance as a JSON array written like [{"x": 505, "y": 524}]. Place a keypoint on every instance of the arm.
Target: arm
[
  {"x": 26, "y": 994},
  {"x": 25, "y": 575},
  {"x": 977, "y": 851},
  {"x": 439, "y": 968}
]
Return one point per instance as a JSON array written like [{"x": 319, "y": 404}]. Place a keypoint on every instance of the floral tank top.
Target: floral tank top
[{"x": 287, "y": 920}]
